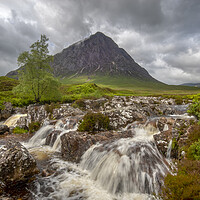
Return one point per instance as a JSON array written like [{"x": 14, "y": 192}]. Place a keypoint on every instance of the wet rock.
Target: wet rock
[
  {"x": 16, "y": 164},
  {"x": 38, "y": 113},
  {"x": 4, "y": 129},
  {"x": 7, "y": 111},
  {"x": 74, "y": 144},
  {"x": 171, "y": 129},
  {"x": 51, "y": 138}
]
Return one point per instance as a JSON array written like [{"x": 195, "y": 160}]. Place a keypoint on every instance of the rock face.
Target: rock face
[
  {"x": 74, "y": 144},
  {"x": 97, "y": 54},
  {"x": 16, "y": 164}
]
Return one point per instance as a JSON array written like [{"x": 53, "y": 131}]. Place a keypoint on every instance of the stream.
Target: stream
[
  {"x": 122, "y": 169},
  {"x": 127, "y": 168}
]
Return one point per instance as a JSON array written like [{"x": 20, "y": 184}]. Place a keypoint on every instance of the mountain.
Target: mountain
[
  {"x": 191, "y": 84},
  {"x": 96, "y": 55}
]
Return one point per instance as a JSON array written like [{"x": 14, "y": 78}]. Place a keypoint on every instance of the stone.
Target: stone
[
  {"x": 7, "y": 111},
  {"x": 16, "y": 164},
  {"x": 74, "y": 144},
  {"x": 3, "y": 129}
]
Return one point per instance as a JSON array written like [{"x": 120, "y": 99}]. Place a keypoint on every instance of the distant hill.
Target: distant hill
[{"x": 191, "y": 84}]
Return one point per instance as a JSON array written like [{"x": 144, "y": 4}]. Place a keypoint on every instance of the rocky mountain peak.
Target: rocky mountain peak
[{"x": 95, "y": 55}]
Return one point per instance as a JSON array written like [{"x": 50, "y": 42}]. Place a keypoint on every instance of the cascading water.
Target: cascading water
[
  {"x": 169, "y": 149},
  {"x": 130, "y": 168},
  {"x": 11, "y": 121},
  {"x": 131, "y": 165}
]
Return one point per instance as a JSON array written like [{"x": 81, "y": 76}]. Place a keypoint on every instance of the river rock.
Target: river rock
[
  {"x": 16, "y": 164},
  {"x": 171, "y": 129},
  {"x": 4, "y": 129},
  {"x": 7, "y": 111},
  {"x": 74, "y": 144}
]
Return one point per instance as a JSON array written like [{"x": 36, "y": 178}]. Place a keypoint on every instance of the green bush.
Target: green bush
[
  {"x": 80, "y": 103},
  {"x": 194, "y": 108},
  {"x": 18, "y": 130},
  {"x": 50, "y": 107},
  {"x": 185, "y": 184},
  {"x": 194, "y": 151},
  {"x": 94, "y": 122},
  {"x": 33, "y": 127}
]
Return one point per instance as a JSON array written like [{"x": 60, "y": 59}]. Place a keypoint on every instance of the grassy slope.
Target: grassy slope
[
  {"x": 6, "y": 86},
  {"x": 133, "y": 86}
]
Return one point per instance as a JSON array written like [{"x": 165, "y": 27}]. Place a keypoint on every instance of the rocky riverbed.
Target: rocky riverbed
[{"x": 161, "y": 123}]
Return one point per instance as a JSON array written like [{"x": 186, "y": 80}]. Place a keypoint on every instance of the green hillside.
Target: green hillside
[{"x": 134, "y": 86}]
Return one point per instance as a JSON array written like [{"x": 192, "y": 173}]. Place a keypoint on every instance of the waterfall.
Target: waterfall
[
  {"x": 57, "y": 144},
  {"x": 11, "y": 121},
  {"x": 123, "y": 169},
  {"x": 169, "y": 149},
  {"x": 39, "y": 137},
  {"x": 131, "y": 165},
  {"x": 60, "y": 128}
]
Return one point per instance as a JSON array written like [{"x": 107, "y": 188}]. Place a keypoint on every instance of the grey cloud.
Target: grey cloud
[{"x": 160, "y": 35}]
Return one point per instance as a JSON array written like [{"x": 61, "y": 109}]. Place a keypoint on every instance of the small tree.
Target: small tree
[{"x": 36, "y": 80}]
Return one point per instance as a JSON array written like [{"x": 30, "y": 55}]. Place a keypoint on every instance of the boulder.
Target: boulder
[
  {"x": 4, "y": 129},
  {"x": 7, "y": 111},
  {"x": 16, "y": 164},
  {"x": 74, "y": 144}
]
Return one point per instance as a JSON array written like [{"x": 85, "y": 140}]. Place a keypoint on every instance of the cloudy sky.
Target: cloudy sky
[{"x": 163, "y": 36}]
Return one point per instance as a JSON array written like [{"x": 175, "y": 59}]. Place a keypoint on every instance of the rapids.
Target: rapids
[{"x": 128, "y": 168}]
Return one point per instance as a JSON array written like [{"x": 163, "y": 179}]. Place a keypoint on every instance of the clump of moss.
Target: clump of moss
[
  {"x": 18, "y": 130},
  {"x": 94, "y": 122},
  {"x": 33, "y": 127}
]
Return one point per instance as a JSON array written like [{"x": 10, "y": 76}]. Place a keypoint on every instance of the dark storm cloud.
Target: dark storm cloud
[{"x": 162, "y": 36}]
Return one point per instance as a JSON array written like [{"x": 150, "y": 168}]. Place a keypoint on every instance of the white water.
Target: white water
[
  {"x": 11, "y": 121},
  {"x": 130, "y": 165},
  {"x": 169, "y": 149},
  {"x": 126, "y": 169}
]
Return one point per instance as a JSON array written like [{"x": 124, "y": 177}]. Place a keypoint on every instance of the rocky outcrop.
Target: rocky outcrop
[
  {"x": 16, "y": 164},
  {"x": 125, "y": 110},
  {"x": 172, "y": 131},
  {"x": 39, "y": 114},
  {"x": 74, "y": 144}
]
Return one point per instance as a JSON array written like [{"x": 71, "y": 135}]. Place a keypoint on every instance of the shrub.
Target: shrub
[
  {"x": 33, "y": 127},
  {"x": 94, "y": 122},
  {"x": 51, "y": 107},
  {"x": 194, "y": 151},
  {"x": 194, "y": 134},
  {"x": 18, "y": 130},
  {"x": 194, "y": 108},
  {"x": 184, "y": 185},
  {"x": 80, "y": 103}
]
